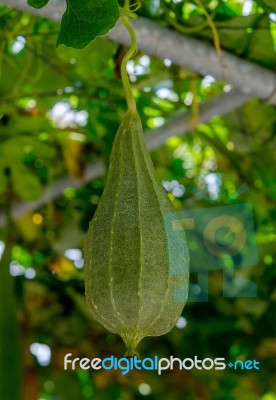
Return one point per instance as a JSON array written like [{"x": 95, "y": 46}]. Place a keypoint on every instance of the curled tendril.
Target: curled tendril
[
  {"x": 134, "y": 7},
  {"x": 129, "y": 10}
]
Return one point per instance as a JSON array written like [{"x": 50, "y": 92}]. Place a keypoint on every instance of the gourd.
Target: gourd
[{"x": 130, "y": 283}]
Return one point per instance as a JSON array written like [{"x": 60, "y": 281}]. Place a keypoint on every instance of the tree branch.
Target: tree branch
[
  {"x": 184, "y": 51},
  {"x": 177, "y": 126},
  {"x": 245, "y": 76}
]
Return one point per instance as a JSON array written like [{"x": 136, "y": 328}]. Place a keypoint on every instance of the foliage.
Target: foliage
[{"x": 59, "y": 111}]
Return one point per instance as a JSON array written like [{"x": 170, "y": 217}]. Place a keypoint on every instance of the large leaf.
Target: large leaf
[{"x": 84, "y": 20}]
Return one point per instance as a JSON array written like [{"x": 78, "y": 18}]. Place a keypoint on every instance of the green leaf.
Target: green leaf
[
  {"x": 84, "y": 20},
  {"x": 37, "y": 3}
]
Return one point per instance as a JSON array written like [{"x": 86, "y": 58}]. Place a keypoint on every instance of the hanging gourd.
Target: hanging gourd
[{"x": 130, "y": 282}]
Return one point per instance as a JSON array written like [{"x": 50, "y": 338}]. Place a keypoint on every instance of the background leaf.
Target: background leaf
[{"x": 270, "y": 3}]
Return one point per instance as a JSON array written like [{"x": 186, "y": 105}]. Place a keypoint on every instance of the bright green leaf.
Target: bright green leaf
[{"x": 84, "y": 20}]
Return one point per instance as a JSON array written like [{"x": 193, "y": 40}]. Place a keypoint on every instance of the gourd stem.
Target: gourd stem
[{"x": 131, "y": 103}]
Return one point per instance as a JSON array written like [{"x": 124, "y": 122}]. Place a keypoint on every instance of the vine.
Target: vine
[{"x": 130, "y": 53}]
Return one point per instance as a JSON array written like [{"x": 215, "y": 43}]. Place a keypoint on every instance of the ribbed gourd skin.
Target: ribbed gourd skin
[{"x": 128, "y": 282}]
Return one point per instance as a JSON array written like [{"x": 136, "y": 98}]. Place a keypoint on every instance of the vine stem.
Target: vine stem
[{"x": 131, "y": 103}]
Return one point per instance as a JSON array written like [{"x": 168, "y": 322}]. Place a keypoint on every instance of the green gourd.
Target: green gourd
[
  {"x": 135, "y": 264},
  {"x": 130, "y": 287}
]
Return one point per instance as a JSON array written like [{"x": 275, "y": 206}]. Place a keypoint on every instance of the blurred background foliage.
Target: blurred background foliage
[{"x": 59, "y": 110}]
